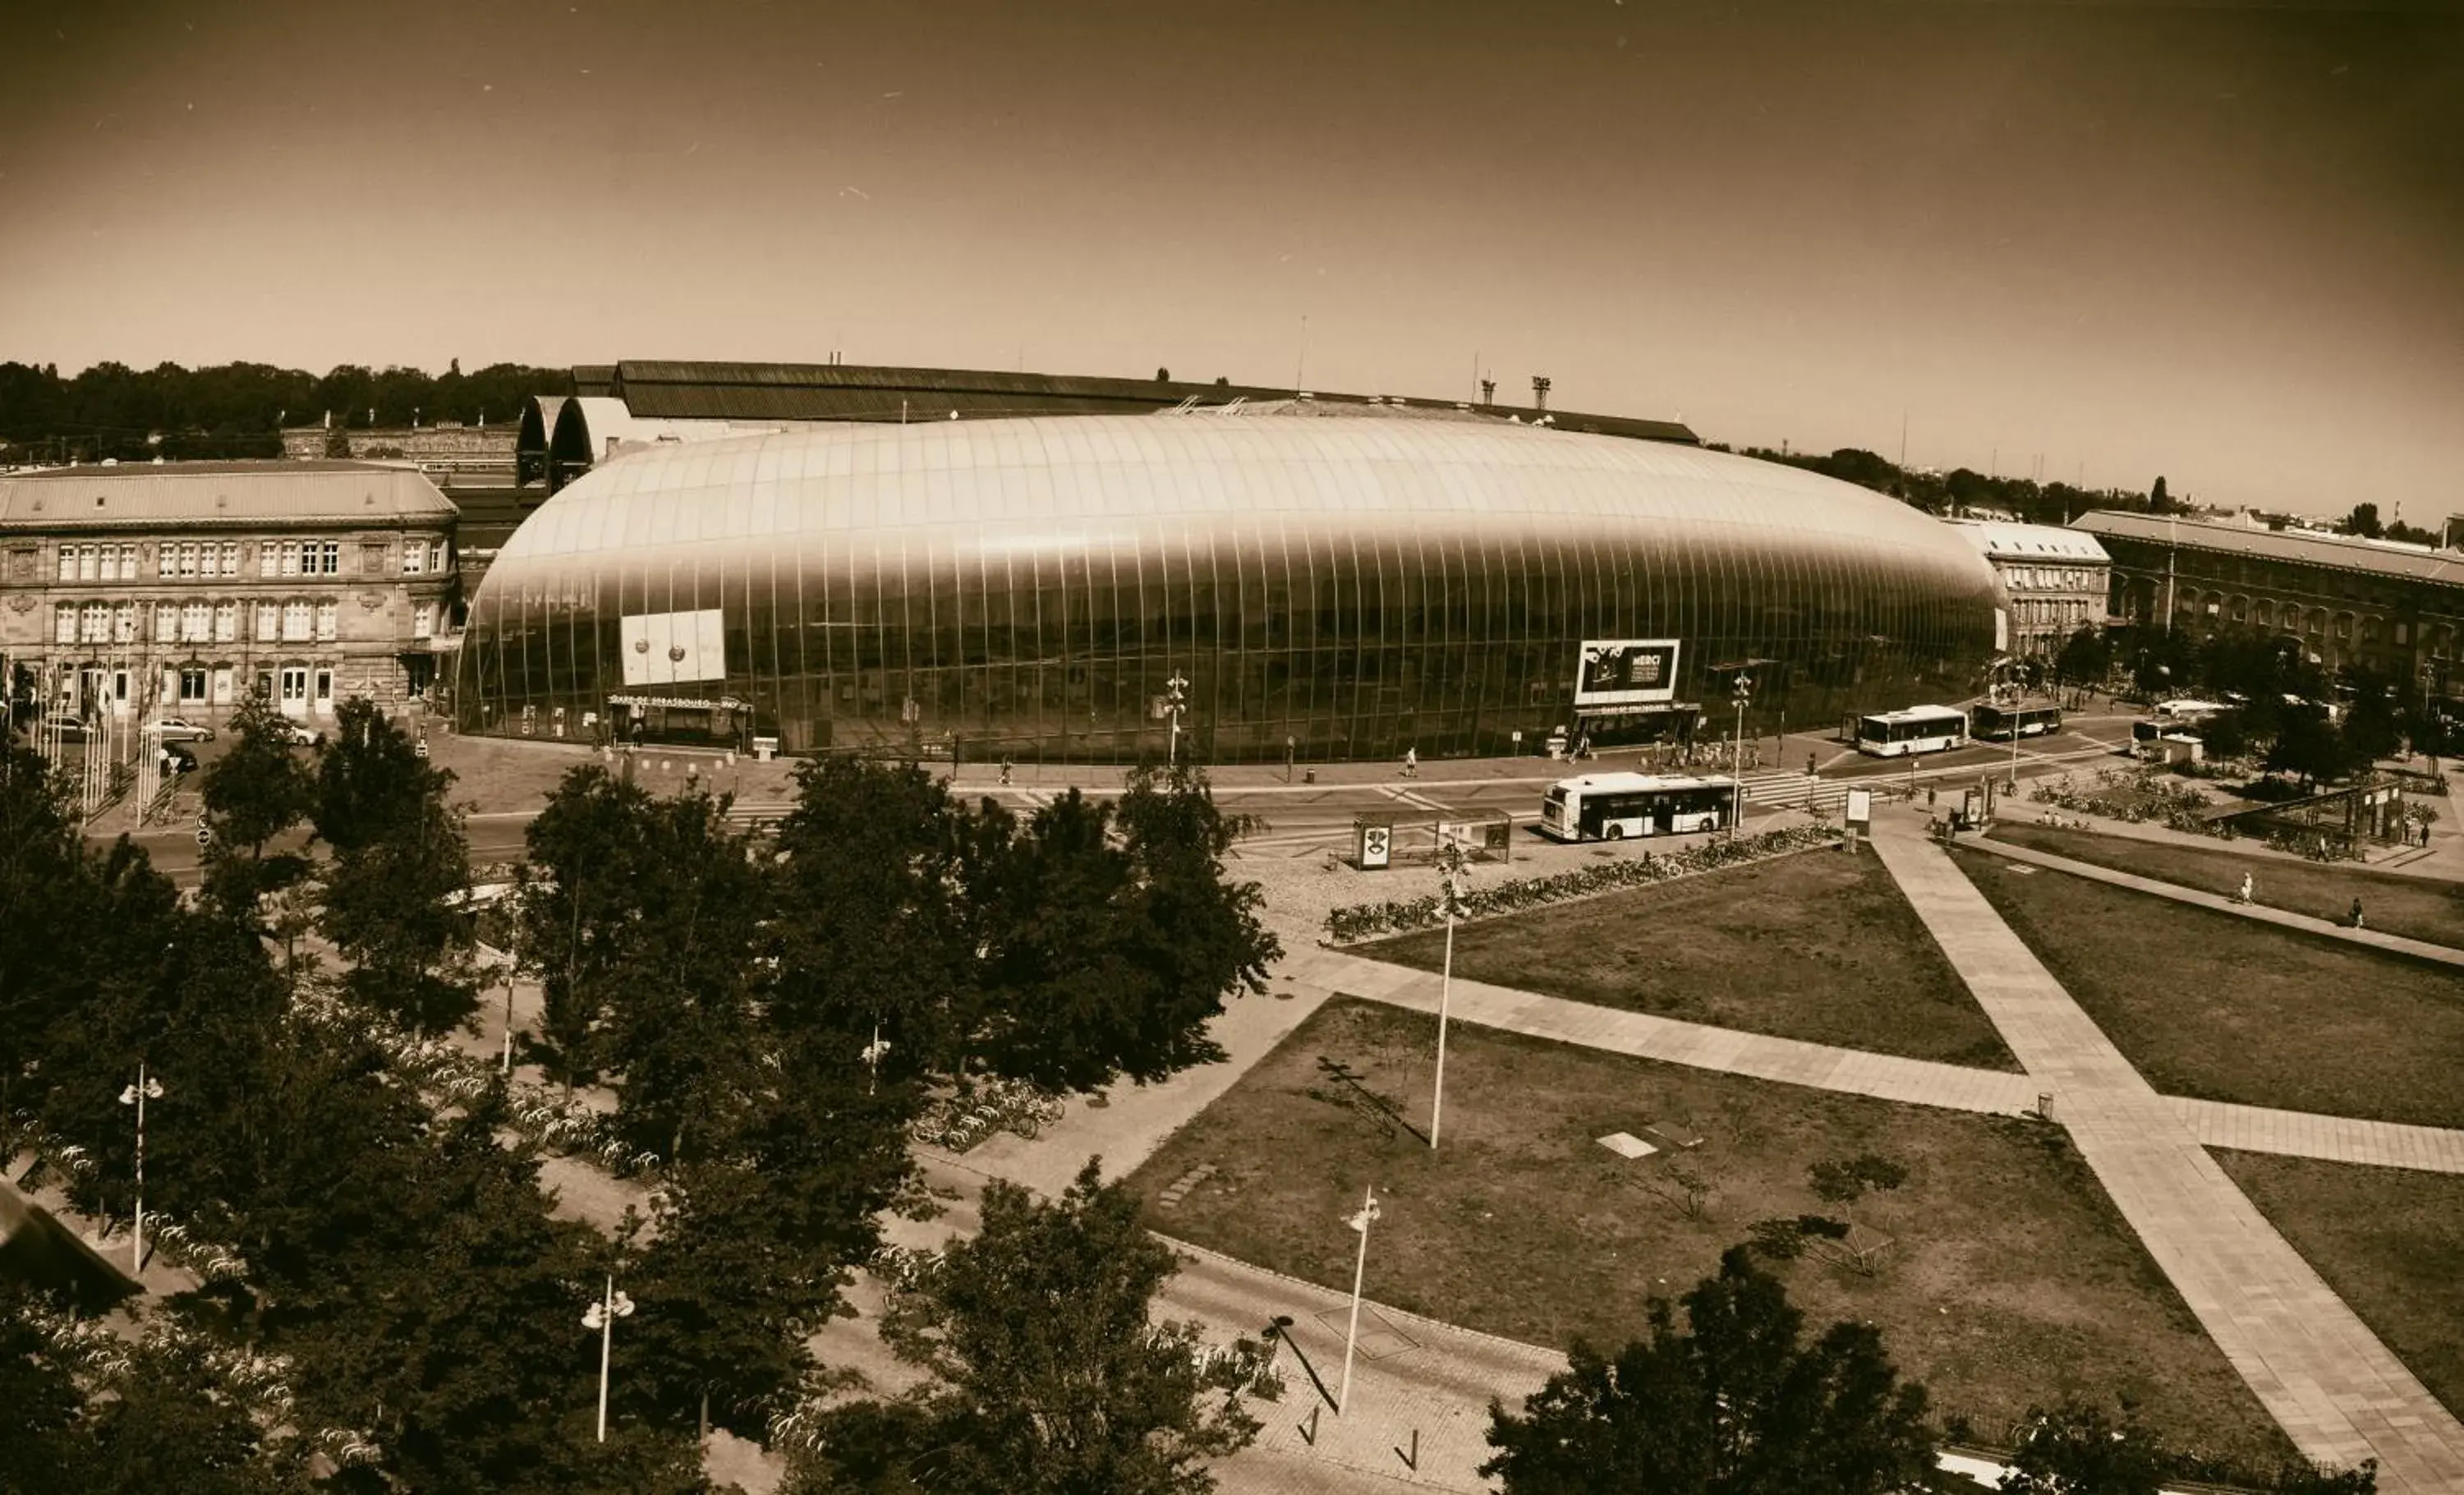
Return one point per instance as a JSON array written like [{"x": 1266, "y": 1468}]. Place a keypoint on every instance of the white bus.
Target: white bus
[
  {"x": 1613, "y": 806},
  {"x": 1919, "y": 729}
]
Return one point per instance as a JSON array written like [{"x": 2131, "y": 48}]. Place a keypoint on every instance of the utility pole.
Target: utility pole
[{"x": 1743, "y": 692}]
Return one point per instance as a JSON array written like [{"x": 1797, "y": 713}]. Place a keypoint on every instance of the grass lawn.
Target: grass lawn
[
  {"x": 2418, "y": 908},
  {"x": 2209, "y": 1004},
  {"x": 2013, "y": 1280},
  {"x": 1818, "y": 946},
  {"x": 2390, "y": 1242}
]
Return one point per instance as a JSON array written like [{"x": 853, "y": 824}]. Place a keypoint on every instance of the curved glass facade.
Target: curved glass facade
[{"x": 1332, "y": 587}]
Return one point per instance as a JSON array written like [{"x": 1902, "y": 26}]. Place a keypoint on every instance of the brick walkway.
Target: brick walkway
[
  {"x": 2335, "y": 1389},
  {"x": 2338, "y": 1140},
  {"x": 2372, "y": 938},
  {"x": 1793, "y": 1061}
]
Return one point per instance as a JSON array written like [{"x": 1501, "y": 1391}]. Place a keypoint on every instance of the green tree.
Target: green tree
[
  {"x": 252, "y": 794},
  {"x": 2364, "y": 521},
  {"x": 1048, "y": 1377},
  {"x": 1113, "y": 936},
  {"x": 400, "y": 858},
  {"x": 2307, "y": 746},
  {"x": 577, "y": 897},
  {"x": 2159, "y": 501},
  {"x": 42, "y": 1397},
  {"x": 1735, "y": 1404}
]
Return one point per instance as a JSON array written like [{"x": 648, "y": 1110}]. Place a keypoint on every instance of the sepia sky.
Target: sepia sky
[{"x": 2223, "y": 242}]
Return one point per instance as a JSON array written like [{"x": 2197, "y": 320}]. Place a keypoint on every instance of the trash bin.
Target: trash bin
[{"x": 764, "y": 749}]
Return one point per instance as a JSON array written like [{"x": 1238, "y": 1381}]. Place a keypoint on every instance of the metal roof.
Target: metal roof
[
  {"x": 594, "y": 379},
  {"x": 2335, "y": 552},
  {"x": 220, "y": 493},
  {"x": 2002, "y": 539},
  {"x": 679, "y": 390},
  {"x": 1083, "y": 483}
]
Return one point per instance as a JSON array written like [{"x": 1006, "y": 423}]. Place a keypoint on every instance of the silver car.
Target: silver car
[{"x": 179, "y": 729}]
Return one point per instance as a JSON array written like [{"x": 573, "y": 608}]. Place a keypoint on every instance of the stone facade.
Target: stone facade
[
  {"x": 181, "y": 588},
  {"x": 2397, "y": 610},
  {"x": 2054, "y": 578},
  {"x": 461, "y": 445}
]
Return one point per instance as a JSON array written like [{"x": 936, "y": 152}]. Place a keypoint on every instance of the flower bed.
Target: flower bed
[
  {"x": 1359, "y": 921},
  {"x": 2135, "y": 795}
]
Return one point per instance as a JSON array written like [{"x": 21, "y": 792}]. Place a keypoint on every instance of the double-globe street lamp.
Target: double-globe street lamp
[
  {"x": 1454, "y": 877},
  {"x": 147, "y": 1089},
  {"x": 602, "y": 1316},
  {"x": 1743, "y": 694}
]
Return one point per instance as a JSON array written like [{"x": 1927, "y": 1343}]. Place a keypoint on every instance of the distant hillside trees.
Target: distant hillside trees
[
  {"x": 1962, "y": 488},
  {"x": 235, "y": 409}
]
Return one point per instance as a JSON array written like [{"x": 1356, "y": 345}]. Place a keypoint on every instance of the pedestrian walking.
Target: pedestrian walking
[
  {"x": 1006, "y": 765},
  {"x": 1411, "y": 762},
  {"x": 2244, "y": 896},
  {"x": 2357, "y": 914}
]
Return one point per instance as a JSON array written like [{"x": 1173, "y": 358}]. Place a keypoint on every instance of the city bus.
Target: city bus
[
  {"x": 1988, "y": 723},
  {"x": 1919, "y": 729},
  {"x": 1613, "y": 806}
]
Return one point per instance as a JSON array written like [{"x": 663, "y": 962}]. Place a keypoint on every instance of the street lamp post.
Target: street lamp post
[
  {"x": 1743, "y": 692},
  {"x": 137, "y": 1094},
  {"x": 1175, "y": 701},
  {"x": 1360, "y": 1272},
  {"x": 872, "y": 1054},
  {"x": 1454, "y": 870},
  {"x": 603, "y": 1316}
]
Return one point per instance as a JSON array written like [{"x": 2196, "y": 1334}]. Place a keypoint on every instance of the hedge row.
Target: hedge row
[{"x": 1360, "y": 921}]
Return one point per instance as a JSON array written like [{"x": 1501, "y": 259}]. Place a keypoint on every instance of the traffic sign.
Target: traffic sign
[
  {"x": 421, "y": 748},
  {"x": 205, "y": 837}
]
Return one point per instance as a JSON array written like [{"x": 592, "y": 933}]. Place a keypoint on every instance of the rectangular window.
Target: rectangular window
[
  {"x": 414, "y": 557},
  {"x": 423, "y": 619},
  {"x": 68, "y": 563},
  {"x": 226, "y": 623},
  {"x": 295, "y": 621},
  {"x": 328, "y": 619},
  {"x": 188, "y": 560},
  {"x": 166, "y": 623},
  {"x": 93, "y": 624},
  {"x": 228, "y": 559},
  {"x": 289, "y": 558},
  {"x": 196, "y": 623},
  {"x": 269, "y": 619},
  {"x": 88, "y": 562},
  {"x": 123, "y": 623},
  {"x": 330, "y": 559},
  {"x": 266, "y": 562},
  {"x": 64, "y": 624},
  {"x": 438, "y": 555},
  {"x": 192, "y": 686}
]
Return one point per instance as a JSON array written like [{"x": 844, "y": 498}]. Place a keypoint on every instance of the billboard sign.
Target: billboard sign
[
  {"x": 665, "y": 648},
  {"x": 1860, "y": 806},
  {"x": 1625, "y": 671}
]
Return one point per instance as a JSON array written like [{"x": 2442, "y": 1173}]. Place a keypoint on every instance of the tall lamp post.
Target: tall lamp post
[
  {"x": 1360, "y": 1272},
  {"x": 147, "y": 1089},
  {"x": 602, "y": 1316},
  {"x": 1454, "y": 872},
  {"x": 1175, "y": 701},
  {"x": 1742, "y": 694}
]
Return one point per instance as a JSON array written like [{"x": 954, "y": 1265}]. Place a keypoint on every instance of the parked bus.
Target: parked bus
[
  {"x": 1613, "y": 806},
  {"x": 1919, "y": 729},
  {"x": 1988, "y": 723},
  {"x": 2186, "y": 710}
]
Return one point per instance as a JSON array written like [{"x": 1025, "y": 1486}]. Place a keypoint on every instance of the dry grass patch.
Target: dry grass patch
[
  {"x": 2011, "y": 1280},
  {"x": 2212, "y": 1005},
  {"x": 2390, "y": 1242},
  {"x": 1819, "y": 946}
]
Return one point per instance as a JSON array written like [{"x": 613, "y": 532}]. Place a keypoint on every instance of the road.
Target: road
[{"x": 1309, "y": 819}]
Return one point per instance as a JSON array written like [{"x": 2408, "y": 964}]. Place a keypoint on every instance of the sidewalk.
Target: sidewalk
[
  {"x": 2324, "y": 1376},
  {"x": 1793, "y": 1061},
  {"x": 2370, "y": 938}
]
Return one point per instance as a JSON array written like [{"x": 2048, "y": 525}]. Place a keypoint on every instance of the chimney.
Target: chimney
[{"x": 1540, "y": 392}]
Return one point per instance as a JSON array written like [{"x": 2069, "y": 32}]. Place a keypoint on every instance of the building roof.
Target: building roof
[
  {"x": 764, "y": 392},
  {"x": 2334, "y": 552},
  {"x": 1092, "y": 484},
  {"x": 2003, "y": 539},
  {"x": 207, "y": 494}
]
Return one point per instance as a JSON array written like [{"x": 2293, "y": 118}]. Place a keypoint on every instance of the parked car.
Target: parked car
[
  {"x": 178, "y": 760},
  {"x": 180, "y": 729},
  {"x": 71, "y": 729},
  {"x": 300, "y": 735}
]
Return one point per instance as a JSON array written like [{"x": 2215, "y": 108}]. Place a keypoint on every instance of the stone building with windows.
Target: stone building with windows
[
  {"x": 181, "y": 586},
  {"x": 2393, "y": 609},
  {"x": 2056, "y": 580}
]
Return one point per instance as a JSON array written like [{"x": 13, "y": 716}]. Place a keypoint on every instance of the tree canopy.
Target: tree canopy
[{"x": 1735, "y": 1404}]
